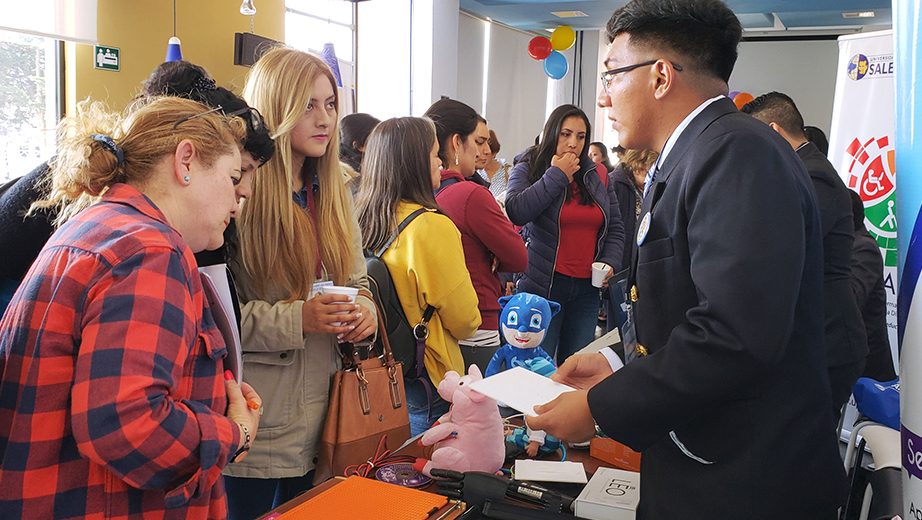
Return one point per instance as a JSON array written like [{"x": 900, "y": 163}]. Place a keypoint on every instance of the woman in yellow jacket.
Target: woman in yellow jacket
[{"x": 399, "y": 173}]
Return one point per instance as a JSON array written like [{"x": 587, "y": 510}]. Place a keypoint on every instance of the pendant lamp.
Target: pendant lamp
[{"x": 173, "y": 50}]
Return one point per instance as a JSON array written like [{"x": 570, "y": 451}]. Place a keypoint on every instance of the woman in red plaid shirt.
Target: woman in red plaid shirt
[{"x": 113, "y": 399}]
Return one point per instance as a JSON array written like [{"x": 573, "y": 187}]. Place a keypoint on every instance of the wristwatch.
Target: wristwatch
[
  {"x": 599, "y": 432},
  {"x": 246, "y": 443}
]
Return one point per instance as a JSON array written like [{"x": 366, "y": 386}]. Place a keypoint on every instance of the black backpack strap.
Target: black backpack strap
[
  {"x": 401, "y": 227},
  {"x": 421, "y": 330}
]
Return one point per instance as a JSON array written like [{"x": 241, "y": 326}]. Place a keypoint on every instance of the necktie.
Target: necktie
[{"x": 648, "y": 180}]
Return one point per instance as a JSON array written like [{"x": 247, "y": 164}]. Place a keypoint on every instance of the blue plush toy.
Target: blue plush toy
[{"x": 524, "y": 322}]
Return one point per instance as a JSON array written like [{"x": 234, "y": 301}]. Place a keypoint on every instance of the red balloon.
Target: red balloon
[{"x": 539, "y": 47}]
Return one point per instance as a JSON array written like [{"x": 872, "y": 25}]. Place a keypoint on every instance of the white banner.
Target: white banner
[{"x": 862, "y": 145}]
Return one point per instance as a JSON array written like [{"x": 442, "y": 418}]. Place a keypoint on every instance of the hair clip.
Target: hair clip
[
  {"x": 203, "y": 84},
  {"x": 109, "y": 144}
]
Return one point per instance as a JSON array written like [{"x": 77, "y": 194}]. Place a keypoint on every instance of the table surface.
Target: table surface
[{"x": 577, "y": 455}]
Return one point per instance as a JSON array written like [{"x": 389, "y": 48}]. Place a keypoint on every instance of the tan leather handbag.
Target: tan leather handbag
[{"x": 367, "y": 400}]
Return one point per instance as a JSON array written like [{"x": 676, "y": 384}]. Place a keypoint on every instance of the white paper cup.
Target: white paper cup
[
  {"x": 599, "y": 272},
  {"x": 351, "y": 292}
]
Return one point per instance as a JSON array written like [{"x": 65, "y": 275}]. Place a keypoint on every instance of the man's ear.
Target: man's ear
[
  {"x": 775, "y": 126},
  {"x": 664, "y": 78},
  {"x": 182, "y": 161}
]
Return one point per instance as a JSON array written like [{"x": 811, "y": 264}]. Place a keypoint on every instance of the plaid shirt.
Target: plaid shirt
[{"x": 111, "y": 389}]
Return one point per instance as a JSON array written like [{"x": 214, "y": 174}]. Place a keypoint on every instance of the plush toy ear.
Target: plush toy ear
[
  {"x": 555, "y": 307},
  {"x": 474, "y": 372},
  {"x": 503, "y": 300}
]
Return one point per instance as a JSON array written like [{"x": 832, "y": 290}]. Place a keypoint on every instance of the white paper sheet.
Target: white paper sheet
[
  {"x": 521, "y": 389},
  {"x": 550, "y": 471},
  {"x": 217, "y": 290}
]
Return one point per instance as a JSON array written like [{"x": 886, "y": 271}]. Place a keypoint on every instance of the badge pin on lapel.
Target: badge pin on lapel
[{"x": 644, "y": 227}]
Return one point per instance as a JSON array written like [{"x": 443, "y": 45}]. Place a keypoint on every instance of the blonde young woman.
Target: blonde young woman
[
  {"x": 114, "y": 401},
  {"x": 400, "y": 171},
  {"x": 297, "y": 230}
]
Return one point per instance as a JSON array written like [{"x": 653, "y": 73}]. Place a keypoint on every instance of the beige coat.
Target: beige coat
[{"x": 291, "y": 371}]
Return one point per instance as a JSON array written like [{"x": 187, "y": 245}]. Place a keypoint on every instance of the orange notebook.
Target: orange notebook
[{"x": 358, "y": 498}]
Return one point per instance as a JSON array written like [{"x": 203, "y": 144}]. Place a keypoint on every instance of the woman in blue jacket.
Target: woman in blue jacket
[{"x": 564, "y": 202}]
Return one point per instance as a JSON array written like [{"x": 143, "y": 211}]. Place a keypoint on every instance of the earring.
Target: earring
[
  {"x": 186, "y": 178},
  {"x": 456, "y": 158}
]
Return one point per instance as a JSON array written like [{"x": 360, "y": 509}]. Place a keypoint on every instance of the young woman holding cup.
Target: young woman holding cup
[{"x": 297, "y": 231}]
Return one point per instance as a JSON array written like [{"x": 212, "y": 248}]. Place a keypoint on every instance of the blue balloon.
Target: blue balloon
[{"x": 555, "y": 65}]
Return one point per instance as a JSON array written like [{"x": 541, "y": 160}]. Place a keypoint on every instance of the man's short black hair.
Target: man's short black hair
[
  {"x": 818, "y": 137},
  {"x": 704, "y": 34},
  {"x": 777, "y": 108}
]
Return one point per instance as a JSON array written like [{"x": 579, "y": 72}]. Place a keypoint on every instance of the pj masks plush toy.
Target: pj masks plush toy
[{"x": 524, "y": 322}]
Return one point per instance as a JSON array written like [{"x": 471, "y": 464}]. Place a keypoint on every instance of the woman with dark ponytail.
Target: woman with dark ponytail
[{"x": 353, "y": 136}]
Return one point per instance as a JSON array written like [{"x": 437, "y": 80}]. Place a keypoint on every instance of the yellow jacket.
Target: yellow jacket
[{"x": 426, "y": 263}]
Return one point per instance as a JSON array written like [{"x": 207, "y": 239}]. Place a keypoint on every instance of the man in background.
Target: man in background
[
  {"x": 870, "y": 294},
  {"x": 846, "y": 340}
]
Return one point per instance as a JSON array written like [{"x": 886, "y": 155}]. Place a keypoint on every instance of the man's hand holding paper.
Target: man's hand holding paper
[
  {"x": 567, "y": 417},
  {"x": 583, "y": 371}
]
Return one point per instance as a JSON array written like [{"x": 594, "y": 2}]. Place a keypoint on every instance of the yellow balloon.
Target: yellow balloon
[{"x": 562, "y": 38}]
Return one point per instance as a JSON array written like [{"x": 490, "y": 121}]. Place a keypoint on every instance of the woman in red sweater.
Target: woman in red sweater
[{"x": 490, "y": 243}]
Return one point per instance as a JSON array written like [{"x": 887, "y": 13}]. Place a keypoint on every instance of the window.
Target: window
[
  {"x": 29, "y": 102},
  {"x": 309, "y": 24}
]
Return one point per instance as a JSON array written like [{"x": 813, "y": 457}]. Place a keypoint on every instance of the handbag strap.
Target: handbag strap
[
  {"x": 350, "y": 355},
  {"x": 351, "y": 362}
]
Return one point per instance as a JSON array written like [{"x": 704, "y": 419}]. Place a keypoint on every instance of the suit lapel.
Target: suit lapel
[
  {"x": 699, "y": 124},
  {"x": 711, "y": 113}
]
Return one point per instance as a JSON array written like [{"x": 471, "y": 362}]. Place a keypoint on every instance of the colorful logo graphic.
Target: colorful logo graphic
[
  {"x": 857, "y": 66},
  {"x": 872, "y": 174},
  {"x": 876, "y": 66}
]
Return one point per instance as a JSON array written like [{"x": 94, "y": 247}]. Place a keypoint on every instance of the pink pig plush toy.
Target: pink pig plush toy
[{"x": 470, "y": 436}]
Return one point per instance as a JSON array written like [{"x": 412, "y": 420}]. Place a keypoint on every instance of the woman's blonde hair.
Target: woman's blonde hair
[
  {"x": 278, "y": 240},
  {"x": 639, "y": 160},
  {"x": 98, "y": 148}
]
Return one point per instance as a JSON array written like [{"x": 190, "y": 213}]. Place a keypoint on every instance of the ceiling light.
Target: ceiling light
[{"x": 569, "y": 14}]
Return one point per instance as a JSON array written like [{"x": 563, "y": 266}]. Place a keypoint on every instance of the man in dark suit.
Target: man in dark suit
[
  {"x": 729, "y": 400},
  {"x": 870, "y": 294},
  {"x": 846, "y": 340}
]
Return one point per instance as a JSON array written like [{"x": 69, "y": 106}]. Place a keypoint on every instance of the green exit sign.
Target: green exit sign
[{"x": 106, "y": 58}]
